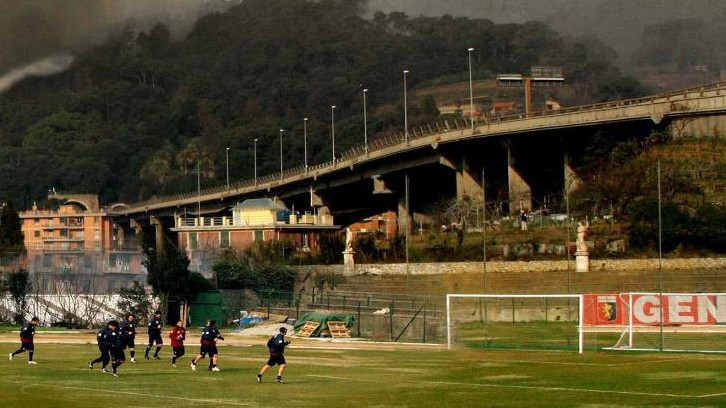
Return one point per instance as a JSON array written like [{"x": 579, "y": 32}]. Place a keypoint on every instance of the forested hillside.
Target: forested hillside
[{"x": 131, "y": 118}]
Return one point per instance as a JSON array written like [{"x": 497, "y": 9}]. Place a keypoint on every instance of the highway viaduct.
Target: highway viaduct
[{"x": 526, "y": 160}]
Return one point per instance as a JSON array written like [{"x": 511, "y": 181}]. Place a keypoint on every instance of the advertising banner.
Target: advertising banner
[{"x": 677, "y": 309}]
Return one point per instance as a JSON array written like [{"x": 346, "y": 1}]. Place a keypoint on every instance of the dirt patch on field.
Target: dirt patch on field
[{"x": 231, "y": 339}]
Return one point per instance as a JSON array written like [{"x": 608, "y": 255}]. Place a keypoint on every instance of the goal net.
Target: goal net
[
  {"x": 691, "y": 322},
  {"x": 536, "y": 322}
]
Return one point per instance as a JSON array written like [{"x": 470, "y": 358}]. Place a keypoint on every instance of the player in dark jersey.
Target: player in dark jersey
[
  {"x": 276, "y": 344},
  {"x": 115, "y": 345},
  {"x": 210, "y": 335},
  {"x": 177, "y": 336},
  {"x": 105, "y": 357},
  {"x": 27, "y": 333},
  {"x": 128, "y": 329},
  {"x": 154, "y": 326}
]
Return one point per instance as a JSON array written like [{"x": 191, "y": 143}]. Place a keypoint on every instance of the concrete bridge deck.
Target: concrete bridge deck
[{"x": 692, "y": 102}]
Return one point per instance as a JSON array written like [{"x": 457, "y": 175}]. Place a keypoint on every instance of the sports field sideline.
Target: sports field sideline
[{"x": 361, "y": 374}]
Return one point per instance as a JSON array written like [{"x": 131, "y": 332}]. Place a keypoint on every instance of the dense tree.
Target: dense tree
[
  {"x": 11, "y": 236},
  {"x": 132, "y": 116},
  {"x": 18, "y": 285},
  {"x": 171, "y": 280}
]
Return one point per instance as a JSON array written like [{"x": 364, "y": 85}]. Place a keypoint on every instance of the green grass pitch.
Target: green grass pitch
[{"x": 336, "y": 377}]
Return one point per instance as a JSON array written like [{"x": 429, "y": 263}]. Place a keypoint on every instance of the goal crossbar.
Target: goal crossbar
[{"x": 450, "y": 296}]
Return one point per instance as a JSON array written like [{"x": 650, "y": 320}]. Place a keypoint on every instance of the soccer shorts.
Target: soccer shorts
[
  {"x": 276, "y": 359},
  {"x": 211, "y": 350},
  {"x": 155, "y": 338}
]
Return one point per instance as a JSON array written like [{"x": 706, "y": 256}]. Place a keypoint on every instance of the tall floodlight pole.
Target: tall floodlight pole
[
  {"x": 305, "y": 143},
  {"x": 332, "y": 128},
  {"x": 255, "y": 150},
  {"x": 365, "y": 121},
  {"x": 281, "y": 132},
  {"x": 408, "y": 228},
  {"x": 405, "y": 108},
  {"x": 471, "y": 91},
  {"x": 660, "y": 259},
  {"x": 227, "y": 151},
  {"x": 484, "y": 225}
]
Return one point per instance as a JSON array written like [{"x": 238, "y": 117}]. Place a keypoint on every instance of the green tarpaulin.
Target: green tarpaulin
[{"x": 323, "y": 319}]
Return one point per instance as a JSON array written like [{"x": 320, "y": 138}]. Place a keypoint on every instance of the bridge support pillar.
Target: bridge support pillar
[
  {"x": 159, "y": 234},
  {"x": 572, "y": 180},
  {"x": 404, "y": 217},
  {"x": 467, "y": 182},
  {"x": 379, "y": 186},
  {"x": 520, "y": 192}
]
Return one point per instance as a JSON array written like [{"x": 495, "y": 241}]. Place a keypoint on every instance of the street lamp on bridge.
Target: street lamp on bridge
[
  {"x": 255, "y": 152},
  {"x": 227, "y": 155},
  {"x": 471, "y": 91},
  {"x": 332, "y": 128},
  {"x": 405, "y": 108},
  {"x": 365, "y": 121},
  {"x": 305, "y": 142},
  {"x": 281, "y": 132}
]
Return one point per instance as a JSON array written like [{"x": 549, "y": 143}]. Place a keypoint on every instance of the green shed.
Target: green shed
[{"x": 206, "y": 306}]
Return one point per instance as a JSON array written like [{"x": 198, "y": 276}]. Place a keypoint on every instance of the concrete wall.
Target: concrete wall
[{"x": 517, "y": 267}]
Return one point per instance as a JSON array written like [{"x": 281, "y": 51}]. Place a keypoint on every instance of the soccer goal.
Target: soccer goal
[
  {"x": 536, "y": 322},
  {"x": 691, "y": 322}
]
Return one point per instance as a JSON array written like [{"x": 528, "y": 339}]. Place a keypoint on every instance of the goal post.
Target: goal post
[
  {"x": 518, "y": 321},
  {"x": 672, "y": 322}
]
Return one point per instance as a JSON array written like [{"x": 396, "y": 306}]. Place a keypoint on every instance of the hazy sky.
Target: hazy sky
[
  {"x": 31, "y": 31},
  {"x": 618, "y": 23}
]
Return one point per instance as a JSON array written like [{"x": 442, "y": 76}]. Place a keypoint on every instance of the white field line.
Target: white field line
[
  {"x": 531, "y": 387},
  {"x": 165, "y": 397},
  {"x": 626, "y": 363}
]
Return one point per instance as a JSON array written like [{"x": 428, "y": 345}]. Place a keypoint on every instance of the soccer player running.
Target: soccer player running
[
  {"x": 26, "y": 340},
  {"x": 210, "y": 335},
  {"x": 115, "y": 345},
  {"x": 155, "y": 325},
  {"x": 128, "y": 329},
  {"x": 276, "y": 345},
  {"x": 177, "y": 335},
  {"x": 105, "y": 357}
]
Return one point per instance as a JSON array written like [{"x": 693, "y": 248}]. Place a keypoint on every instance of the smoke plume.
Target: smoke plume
[
  {"x": 33, "y": 31},
  {"x": 46, "y": 66}
]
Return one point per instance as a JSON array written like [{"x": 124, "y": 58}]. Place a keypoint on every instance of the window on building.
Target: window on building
[
  {"x": 37, "y": 221},
  {"x": 224, "y": 239},
  {"x": 50, "y": 234},
  {"x": 97, "y": 235},
  {"x": 36, "y": 234},
  {"x": 259, "y": 235},
  {"x": 193, "y": 243},
  {"x": 63, "y": 233}
]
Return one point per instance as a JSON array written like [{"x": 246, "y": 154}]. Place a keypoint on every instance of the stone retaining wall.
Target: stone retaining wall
[{"x": 516, "y": 267}]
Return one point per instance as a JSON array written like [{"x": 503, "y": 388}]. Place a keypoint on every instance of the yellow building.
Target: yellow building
[{"x": 253, "y": 220}]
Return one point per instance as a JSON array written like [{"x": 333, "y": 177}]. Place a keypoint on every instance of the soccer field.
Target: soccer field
[{"x": 355, "y": 377}]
